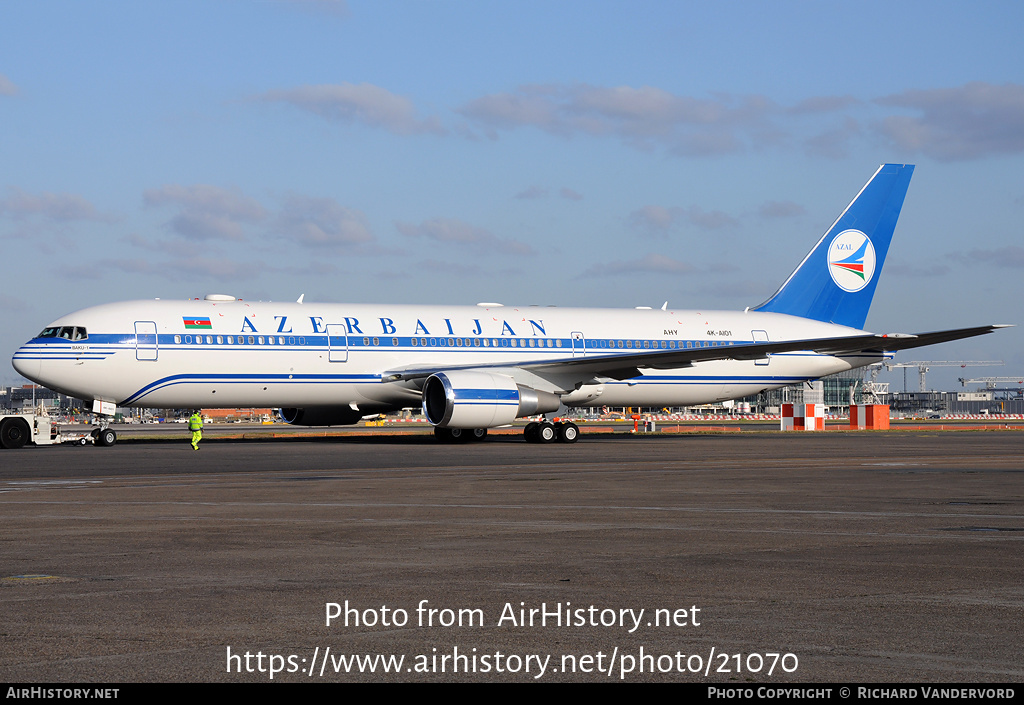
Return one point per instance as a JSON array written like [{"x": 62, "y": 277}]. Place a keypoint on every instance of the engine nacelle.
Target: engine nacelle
[
  {"x": 472, "y": 399},
  {"x": 322, "y": 416}
]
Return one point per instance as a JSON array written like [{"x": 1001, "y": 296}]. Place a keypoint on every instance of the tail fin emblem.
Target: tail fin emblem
[{"x": 851, "y": 260}]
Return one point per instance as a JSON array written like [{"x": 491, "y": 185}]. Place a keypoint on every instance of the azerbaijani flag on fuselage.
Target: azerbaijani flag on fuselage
[{"x": 194, "y": 323}]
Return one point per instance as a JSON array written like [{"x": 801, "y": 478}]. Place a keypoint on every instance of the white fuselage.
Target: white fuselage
[{"x": 210, "y": 354}]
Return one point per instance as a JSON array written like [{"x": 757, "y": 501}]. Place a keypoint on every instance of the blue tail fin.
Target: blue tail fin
[{"x": 836, "y": 281}]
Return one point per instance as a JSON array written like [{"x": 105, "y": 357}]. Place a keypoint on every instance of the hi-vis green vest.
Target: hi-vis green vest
[{"x": 195, "y": 423}]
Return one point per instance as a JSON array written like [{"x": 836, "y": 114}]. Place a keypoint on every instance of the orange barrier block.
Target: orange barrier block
[{"x": 869, "y": 416}]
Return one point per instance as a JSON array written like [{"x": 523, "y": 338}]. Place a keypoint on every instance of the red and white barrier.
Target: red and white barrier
[{"x": 803, "y": 417}]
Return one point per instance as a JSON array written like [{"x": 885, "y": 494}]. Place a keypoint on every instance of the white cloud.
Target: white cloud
[
  {"x": 824, "y": 104},
  {"x": 659, "y": 219},
  {"x": 780, "y": 209},
  {"x": 642, "y": 116},
  {"x": 205, "y": 198},
  {"x": 6, "y": 87},
  {"x": 533, "y": 192},
  {"x": 322, "y": 222},
  {"x": 833, "y": 143},
  {"x": 1011, "y": 256},
  {"x": 902, "y": 269},
  {"x": 536, "y": 192},
  {"x": 649, "y": 264},
  {"x": 967, "y": 122},
  {"x": 207, "y": 212},
  {"x": 62, "y": 207},
  {"x": 364, "y": 104},
  {"x": 454, "y": 231},
  {"x": 655, "y": 218}
]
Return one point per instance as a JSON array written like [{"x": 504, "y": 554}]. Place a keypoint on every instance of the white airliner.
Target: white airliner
[{"x": 471, "y": 368}]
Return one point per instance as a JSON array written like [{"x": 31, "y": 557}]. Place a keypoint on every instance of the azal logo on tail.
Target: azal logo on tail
[{"x": 851, "y": 260}]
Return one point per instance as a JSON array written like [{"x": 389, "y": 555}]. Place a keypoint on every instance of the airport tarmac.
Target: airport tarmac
[{"x": 857, "y": 557}]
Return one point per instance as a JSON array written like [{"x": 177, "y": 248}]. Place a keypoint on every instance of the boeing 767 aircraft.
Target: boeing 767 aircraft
[{"x": 472, "y": 368}]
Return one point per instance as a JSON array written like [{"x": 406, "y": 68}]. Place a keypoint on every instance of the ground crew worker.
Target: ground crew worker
[{"x": 195, "y": 425}]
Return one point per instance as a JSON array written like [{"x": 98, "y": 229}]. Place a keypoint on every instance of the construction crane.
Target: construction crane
[
  {"x": 924, "y": 365},
  {"x": 991, "y": 383}
]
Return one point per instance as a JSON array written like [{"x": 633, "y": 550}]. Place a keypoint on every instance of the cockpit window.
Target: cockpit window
[{"x": 66, "y": 332}]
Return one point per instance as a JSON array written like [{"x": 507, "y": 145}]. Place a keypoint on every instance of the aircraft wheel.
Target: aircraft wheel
[
  {"x": 107, "y": 437},
  {"x": 451, "y": 435},
  {"x": 530, "y": 432},
  {"x": 546, "y": 432},
  {"x": 14, "y": 433},
  {"x": 568, "y": 432},
  {"x": 477, "y": 434}
]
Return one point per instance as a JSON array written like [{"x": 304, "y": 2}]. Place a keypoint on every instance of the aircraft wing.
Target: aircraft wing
[{"x": 627, "y": 365}]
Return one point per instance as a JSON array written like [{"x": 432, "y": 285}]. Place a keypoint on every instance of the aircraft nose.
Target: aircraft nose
[{"x": 27, "y": 365}]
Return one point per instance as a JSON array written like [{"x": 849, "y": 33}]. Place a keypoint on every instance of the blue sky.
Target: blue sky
[{"x": 568, "y": 153}]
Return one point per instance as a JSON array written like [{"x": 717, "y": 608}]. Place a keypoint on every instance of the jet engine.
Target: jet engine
[
  {"x": 322, "y": 416},
  {"x": 473, "y": 399}
]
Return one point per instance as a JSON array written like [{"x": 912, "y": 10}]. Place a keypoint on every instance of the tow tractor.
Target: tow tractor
[{"x": 18, "y": 429}]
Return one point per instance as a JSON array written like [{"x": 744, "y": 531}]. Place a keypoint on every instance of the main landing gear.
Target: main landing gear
[
  {"x": 535, "y": 432},
  {"x": 546, "y": 432},
  {"x": 459, "y": 435}
]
